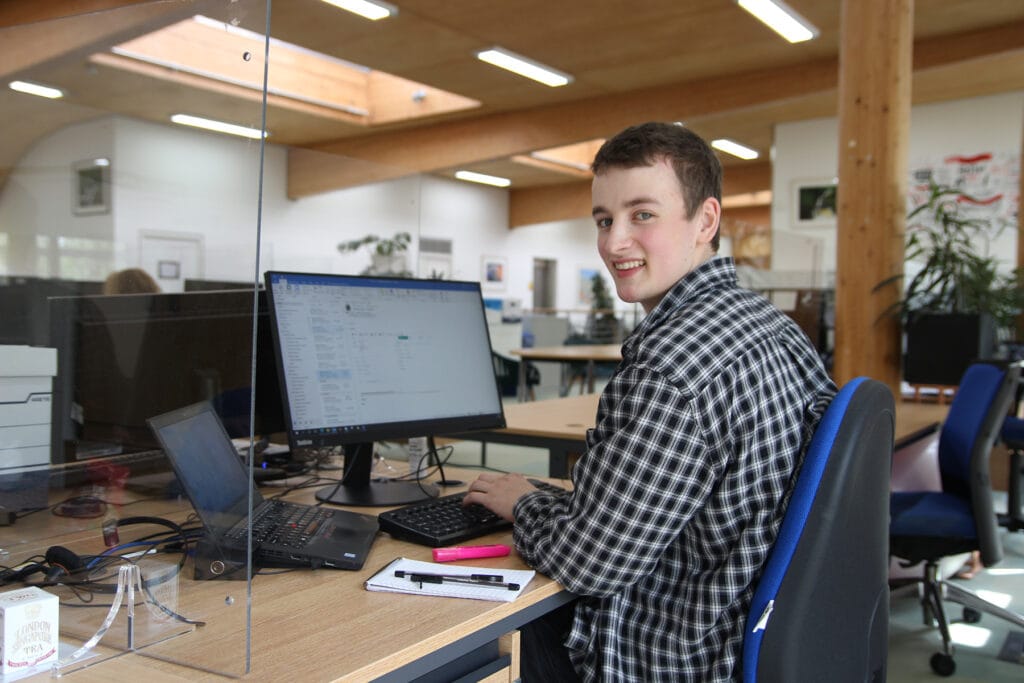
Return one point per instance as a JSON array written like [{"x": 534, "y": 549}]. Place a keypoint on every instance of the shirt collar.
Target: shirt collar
[{"x": 719, "y": 271}]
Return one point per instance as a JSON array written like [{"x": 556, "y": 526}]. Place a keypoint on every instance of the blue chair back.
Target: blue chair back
[
  {"x": 821, "y": 608},
  {"x": 979, "y": 387},
  {"x": 977, "y": 413}
]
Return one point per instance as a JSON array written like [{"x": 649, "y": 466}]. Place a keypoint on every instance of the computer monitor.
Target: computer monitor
[
  {"x": 205, "y": 285},
  {"x": 24, "y": 312},
  {"x": 122, "y": 359},
  {"x": 365, "y": 359}
]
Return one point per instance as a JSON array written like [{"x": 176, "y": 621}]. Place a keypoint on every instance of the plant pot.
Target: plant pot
[
  {"x": 940, "y": 346},
  {"x": 387, "y": 264}
]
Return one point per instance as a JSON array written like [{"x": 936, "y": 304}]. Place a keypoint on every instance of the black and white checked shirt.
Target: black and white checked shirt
[{"x": 680, "y": 494}]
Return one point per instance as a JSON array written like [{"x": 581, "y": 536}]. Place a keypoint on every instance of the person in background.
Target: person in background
[
  {"x": 130, "y": 281},
  {"x": 678, "y": 498}
]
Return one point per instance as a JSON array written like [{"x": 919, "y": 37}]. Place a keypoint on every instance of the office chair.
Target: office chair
[
  {"x": 506, "y": 371},
  {"x": 927, "y": 526},
  {"x": 1012, "y": 435},
  {"x": 821, "y": 609},
  {"x": 578, "y": 370}
]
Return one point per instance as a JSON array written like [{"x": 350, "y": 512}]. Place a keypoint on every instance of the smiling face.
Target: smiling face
[{"x": 643, "y": 234}]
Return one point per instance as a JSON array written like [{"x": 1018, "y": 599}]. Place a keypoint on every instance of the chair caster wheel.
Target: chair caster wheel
[
  {"x": 943, "y": 664},
  {"x": 971, "y": 616}
]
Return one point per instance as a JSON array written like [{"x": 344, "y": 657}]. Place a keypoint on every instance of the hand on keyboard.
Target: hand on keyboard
[{"x": 445, "y": 520}]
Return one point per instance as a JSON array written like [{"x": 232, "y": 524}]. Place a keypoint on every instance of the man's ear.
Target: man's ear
[{"x": 710, "y": 215}]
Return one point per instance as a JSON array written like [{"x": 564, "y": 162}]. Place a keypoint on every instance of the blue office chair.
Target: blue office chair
[
  {"x": 821, "y": 608},
  {"x": 928, "y": 526}
]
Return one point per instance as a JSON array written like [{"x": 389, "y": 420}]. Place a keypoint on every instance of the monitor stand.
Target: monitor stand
[{"x": 357, "y": 488}]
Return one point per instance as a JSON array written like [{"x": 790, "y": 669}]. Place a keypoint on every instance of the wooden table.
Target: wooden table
[
  {"x": 590, "y": 354},
  {"x": 561, "y": 424},
  {"x": 314, "y": 625}
]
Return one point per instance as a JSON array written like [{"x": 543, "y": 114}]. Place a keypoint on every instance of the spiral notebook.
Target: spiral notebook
[{"x": 453, "y": 581}]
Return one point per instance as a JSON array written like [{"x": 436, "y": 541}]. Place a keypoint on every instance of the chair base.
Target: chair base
[{"x": 933, "y": 591}]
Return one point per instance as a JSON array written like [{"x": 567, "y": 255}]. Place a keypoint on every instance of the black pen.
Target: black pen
[{"x": 487, "y": 580}]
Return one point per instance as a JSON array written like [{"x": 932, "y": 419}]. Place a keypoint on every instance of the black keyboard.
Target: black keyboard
[
  {"x": 445, "y": 521},
  {"x": 283, "y": 524}
]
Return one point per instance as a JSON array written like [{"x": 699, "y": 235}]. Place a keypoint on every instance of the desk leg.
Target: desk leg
[
  {"x": 523, "y": 390},
  {"x": 590, "y": 376},
  {"x": 561, "y": 461}
]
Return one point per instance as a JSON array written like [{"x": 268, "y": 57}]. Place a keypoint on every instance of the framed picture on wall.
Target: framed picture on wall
[
  {"x": 493, "y": 272},
  {"x": 90, "y": 187},
  {"x": 814, "y": 203}
]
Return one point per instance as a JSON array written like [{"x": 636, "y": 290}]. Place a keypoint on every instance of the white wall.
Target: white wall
[
  {"x": 809, "y": 150},
  {"x": 175, "y": 181},
  {"x": 37, "y": 197}
]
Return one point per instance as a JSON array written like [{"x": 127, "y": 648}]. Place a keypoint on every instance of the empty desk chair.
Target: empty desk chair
[
  {"x": 821, "y": 608},
  {"x": 928, "y": 526}
]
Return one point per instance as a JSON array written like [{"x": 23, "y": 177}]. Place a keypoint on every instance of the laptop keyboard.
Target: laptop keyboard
[
  {"x": 283, "y": 524},
  {"x": 445, "y": 521}
]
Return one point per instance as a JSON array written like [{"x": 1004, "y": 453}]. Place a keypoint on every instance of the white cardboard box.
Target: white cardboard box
[
  {"x": 29, "y": 629},
  {"x": 26, "y": 393}
]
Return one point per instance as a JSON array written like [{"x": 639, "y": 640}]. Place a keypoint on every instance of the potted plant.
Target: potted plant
[
  {"x": 602, "y": 324},
  {"x": 387, "y": 255},
  {"x": 958, "y": 303}
]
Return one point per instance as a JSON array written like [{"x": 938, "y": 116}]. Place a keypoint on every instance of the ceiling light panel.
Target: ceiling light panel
[
  {"x": 36, "y": 89},
  {"x": 780, "y": 18},
  {"x": 368, "y": 10},
  {"x": 483, "y": 178},
  {"x": 218, "y": 126},
  {"x": 523, "y": 66},
  {"x": 734, "y": 148}
]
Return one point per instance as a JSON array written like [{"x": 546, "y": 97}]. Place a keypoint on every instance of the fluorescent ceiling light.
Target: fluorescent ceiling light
[
  {"x": 734, "y": 148},
  {"x": 781, "y": 19},
  {"x": 482, "y": 178},
  {"x": 36, "y": 89},
  {"x": 218, "y": 126},
  {"x": 524, "y": 67},
  {"x": 366, "y": 9}
]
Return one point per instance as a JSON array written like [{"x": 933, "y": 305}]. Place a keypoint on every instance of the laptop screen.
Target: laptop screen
[{"x": 207, "y": 464}]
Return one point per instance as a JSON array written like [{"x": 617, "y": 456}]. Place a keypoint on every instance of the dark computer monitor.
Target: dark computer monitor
[
  {"x": 126, "y": 358},
  {"x": 365, "y": 359},
  {"x": 205, "y": 285},
  {"x": 24, "y": 311}
]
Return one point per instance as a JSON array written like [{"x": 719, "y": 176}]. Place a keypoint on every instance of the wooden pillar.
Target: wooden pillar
[
  {"x": 876, "y": 45},
  {"x": 1020, "y": 230}
]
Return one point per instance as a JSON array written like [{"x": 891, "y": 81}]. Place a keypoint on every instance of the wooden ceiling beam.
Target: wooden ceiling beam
[
  {"x": 390, "y": 154},
  {"x": 571, "y": 200},
  {"x": 563, "y": 202},
  {"x": 450, "y": 144},
  {"x": 51, "y": 37}
]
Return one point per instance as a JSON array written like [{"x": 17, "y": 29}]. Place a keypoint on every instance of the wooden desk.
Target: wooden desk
[
  {"x": 572, "y": 353},
  {"x": 561, "y": 424},
  {"x": 323, "y": 625},
  {"x": 915, "y": 420}
]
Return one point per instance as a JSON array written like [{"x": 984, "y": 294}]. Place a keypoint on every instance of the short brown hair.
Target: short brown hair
[
  {"x": 695, "y": 163},
  {"x": 130, "y": 281}
]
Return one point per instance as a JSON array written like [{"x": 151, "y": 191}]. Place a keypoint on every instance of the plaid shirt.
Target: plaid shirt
[{"x": 679, "y": 497}]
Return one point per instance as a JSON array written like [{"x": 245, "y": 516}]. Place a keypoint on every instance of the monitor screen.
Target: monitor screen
[
  {"x": 365, "y": 359},
  {"x": 125, "y": 358}
]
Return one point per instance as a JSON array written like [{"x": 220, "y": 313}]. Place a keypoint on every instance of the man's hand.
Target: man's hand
[{"x": 498, "y": 492}]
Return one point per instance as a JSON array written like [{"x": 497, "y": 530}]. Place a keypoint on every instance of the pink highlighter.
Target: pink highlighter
[{"x": 470, "y": 552}]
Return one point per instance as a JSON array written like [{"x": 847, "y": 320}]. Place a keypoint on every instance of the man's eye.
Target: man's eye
[
  {"x": 644, "y": 215},
  {"x": 603, "y": 222}
]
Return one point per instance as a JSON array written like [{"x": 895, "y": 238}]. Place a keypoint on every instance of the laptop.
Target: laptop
[{"x": 217, "y": 483}]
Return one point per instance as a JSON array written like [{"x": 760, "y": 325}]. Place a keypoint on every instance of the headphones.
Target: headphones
[{"x": 64, "y": 566}]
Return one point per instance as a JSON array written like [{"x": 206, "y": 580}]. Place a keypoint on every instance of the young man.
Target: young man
[{"x": 678, "y": 499}]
